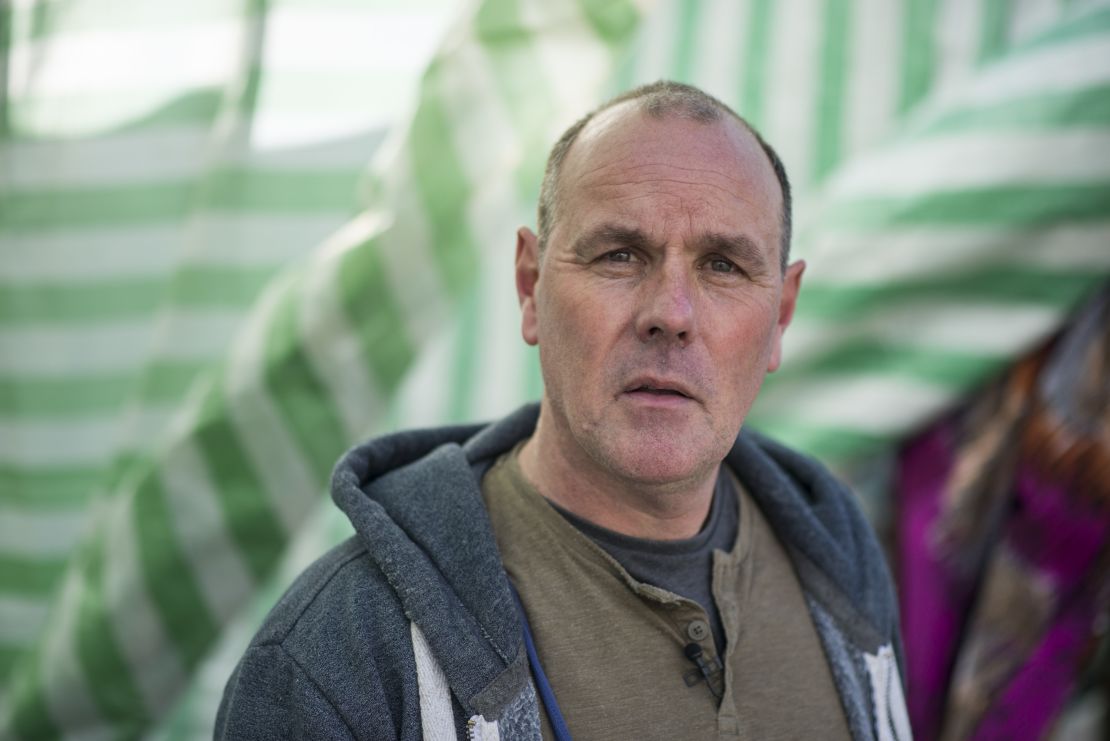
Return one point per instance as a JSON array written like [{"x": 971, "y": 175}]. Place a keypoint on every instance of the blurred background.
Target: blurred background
[{"x": 238, "y": 236}]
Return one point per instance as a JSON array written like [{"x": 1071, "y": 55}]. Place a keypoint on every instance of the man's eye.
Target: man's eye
[
  {"x": 619, "y": 256},
  {"x": 722, "y": 266}
]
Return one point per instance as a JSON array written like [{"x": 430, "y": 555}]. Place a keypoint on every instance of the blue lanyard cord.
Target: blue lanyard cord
[{"x": 554, "y": 715}]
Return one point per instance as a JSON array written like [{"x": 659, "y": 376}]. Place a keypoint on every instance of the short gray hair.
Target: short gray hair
[{"x": 658, "y": 100}]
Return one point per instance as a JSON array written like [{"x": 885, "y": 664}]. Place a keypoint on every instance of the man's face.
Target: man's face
[{"x": 658, "y": 304}]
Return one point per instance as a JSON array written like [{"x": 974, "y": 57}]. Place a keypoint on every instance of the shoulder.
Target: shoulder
[{"x": 336, "y": 644}]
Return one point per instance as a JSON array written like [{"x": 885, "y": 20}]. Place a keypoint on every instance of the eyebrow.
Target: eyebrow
[
  {"x": 737, "y": 247},
  {"x": 611, "y": 234}
]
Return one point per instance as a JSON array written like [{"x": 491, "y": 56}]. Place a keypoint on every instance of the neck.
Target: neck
[{"x": 566, "y": 475}]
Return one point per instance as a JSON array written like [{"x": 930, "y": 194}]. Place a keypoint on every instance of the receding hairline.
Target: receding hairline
[{"x": 659, "y": 101}]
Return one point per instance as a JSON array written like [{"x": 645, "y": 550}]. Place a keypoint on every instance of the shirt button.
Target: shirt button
[{"x": 698, "y": 630}]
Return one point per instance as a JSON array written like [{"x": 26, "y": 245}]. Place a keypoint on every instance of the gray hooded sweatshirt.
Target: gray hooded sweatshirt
[{"x": 409, "y": 630}]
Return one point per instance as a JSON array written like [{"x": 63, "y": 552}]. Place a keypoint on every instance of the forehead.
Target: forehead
[{"x": 632, "y": 162}]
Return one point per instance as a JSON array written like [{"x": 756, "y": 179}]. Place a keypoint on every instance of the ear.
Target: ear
[
  {"x": 791, "y": 284},
  {"x": 527, "y": 276}
]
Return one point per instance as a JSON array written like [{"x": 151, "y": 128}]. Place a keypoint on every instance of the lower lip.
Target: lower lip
[{"x": 661, "y": 401}]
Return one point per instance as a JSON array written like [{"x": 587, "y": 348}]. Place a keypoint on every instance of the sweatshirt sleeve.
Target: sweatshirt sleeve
[{"x": 270, "y": 696}]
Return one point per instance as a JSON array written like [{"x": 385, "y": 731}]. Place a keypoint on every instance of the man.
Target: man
[{"x": 623, "y": 562}]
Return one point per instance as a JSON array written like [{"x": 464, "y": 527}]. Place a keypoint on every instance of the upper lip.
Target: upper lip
[{"x": 660, "y": 384}]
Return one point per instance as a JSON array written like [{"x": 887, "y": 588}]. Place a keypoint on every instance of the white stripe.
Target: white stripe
[
  {"x": 847, "y": 258},
  {"x": 137, "y": 627},
  {"x": 89, "y": 254},
  {"x": 69, "y": 441},
  {"x": 30, "y": 531},
  {"x": 981, "y": 159},
  {"x": 198, "y": 521},
  {"x": 957, "y": 34},
  {"x": 219, "y": 239},
  {"x": 1029, "y": 18},
  {"x": 330, "y": 342},
  {"x": 721, "y": 48},
  {"x": 793, "y": 65},
  {"x": 655, "y": 43},
  {"x": 482, "y": 139},
  {"x": 423, "y": 397},
  {"x": 352, "y": 39},
  {"x": 1062, "y": 68},
  {"x": 204, "y": 55},
  {"x": 76, "y": 351},
  {"x": 272, "y": 451},
  {"x": 405, "y": 248},
  {"x": 21, "y": 619},
  {"x": 213, "y": 239},
  {"x": 889, "y": 703},
  {"x": 499, "y": 380},
  {"x": 999, "y": 331},
  {"x": 437, "y": 721},
  {"x": 873, "y": 77},
  {"x": 132, "y": 158},
  {"x": 183, "y": 333},
  {"x": 574, "y": 61},
  {"x": 868, "y": 403}
]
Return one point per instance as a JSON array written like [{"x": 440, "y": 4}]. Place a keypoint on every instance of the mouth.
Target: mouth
[{"x": 654, "y": 388}]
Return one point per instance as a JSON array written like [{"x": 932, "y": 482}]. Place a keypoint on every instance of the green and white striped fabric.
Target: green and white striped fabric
[{"x": 204, "y": 298}]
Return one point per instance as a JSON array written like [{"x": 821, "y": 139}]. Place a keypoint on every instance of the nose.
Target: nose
[{"x": 666, "y": 310}]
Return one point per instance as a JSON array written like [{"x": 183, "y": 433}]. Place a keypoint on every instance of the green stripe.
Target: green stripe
[
  {"x": 195, "y": 108},
  {"x": 1011, "y": 206},
  {"x": 247, "y": 512},
  {"x": 443, "y": 189},
  {"x": 102, "y": 206},
  {"x": 30, "y": 715},
  {"x": 995, "y": 29},
  {"x": 533, "y": 378},
  {"x": 514, "y": 68},
  {"x": 614, "y": 22},
  {"x": 307, "y": 407},
  {"x": 829, "y": 444},
  {"x": 1088, "y": 107},
  {"x": 465, "y": 357},
  {"x": 985, "y": 284},
  {"x": 78, "y": 303},
  {"x": 369, "y": 300},
  {"x": 919, "y": 52},
  {"x": 6, "y": 36},
  {"x": 169, "y": 380},
  {"x": 284, "y": 192},
  {"x": 30, "y": 577},
  {"x": 35, "y": 397},
  {"x": 107, "y": 675},
  {"x": 210, "y": 286},
  {"x": 168, "y": 575},
  {"x": 935, "y": 366},
  {"x": 757, "y": 43},
  {"x": 1073, "y": 29},
  {"x": 56, "y": 487},
  {"x": 684, "y": 52},
  {"x": 9, "y": 657},
  {"x": 831, "y": 93}
]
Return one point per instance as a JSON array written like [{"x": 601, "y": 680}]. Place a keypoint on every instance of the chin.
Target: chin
[{"x": 648, "y": 459}]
